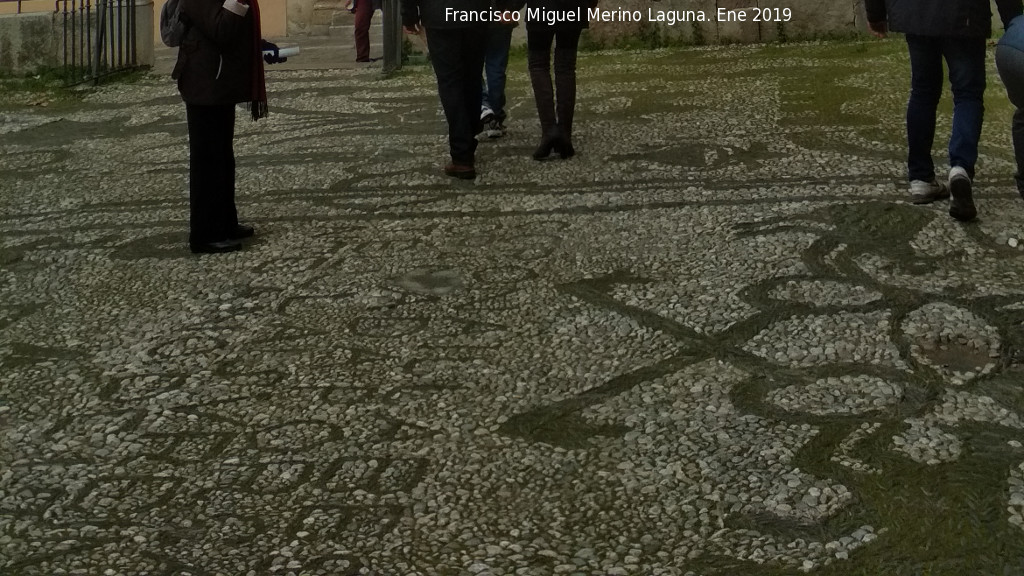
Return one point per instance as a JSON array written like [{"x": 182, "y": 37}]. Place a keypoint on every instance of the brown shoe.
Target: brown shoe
[{"x": 461, "y": 171}]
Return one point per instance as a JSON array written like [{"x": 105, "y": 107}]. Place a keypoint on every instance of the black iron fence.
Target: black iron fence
[
  {"x": 99, "y": 38},
  {"x": 392, "y": 36}
]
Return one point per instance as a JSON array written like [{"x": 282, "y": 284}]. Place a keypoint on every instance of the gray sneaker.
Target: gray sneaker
[
  {"x": 962, "y": 206},
  {"x": 494, "y": 128},
  {"x": 922, "y": 192}
]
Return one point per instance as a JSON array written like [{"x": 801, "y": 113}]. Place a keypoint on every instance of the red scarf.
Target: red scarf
[{"x": 258, "y": 90}]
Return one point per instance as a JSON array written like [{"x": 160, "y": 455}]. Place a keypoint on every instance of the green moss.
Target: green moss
[
  {"x": 44, "y": 88},
  {"x": 56, "y": 87}
]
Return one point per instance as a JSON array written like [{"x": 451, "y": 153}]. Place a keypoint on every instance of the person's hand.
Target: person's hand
[
  {"x": 879, "y": 29},
  {"x": 271, "y": 54},
  {"x": 414, "y": 29}
]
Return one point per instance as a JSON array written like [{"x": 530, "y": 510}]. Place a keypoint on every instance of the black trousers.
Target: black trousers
[
  {"x": 457, "y": 55},
  {"x": 538, "y": 48},
  {"x": 211, "y": 173}
]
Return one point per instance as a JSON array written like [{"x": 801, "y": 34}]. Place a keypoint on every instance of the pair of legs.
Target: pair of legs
[
  {"x": 965, "y": 58},
  {"x": 499, "y": 39},
  {"x": 363, "y": 16},
  {"x": 213, "y": 218},
  {"x": 555, "y": 115},
  {"x": 1010, "y": 62},
  {"x": 457, "y": 55}
]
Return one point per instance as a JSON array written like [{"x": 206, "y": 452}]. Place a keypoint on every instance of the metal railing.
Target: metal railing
[
  {"x": 392, "y": 36},
  {"x": 99, "y": 38}
]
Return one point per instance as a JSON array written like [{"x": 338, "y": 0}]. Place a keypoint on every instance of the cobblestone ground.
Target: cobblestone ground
[{"x": 717, "y": 342}]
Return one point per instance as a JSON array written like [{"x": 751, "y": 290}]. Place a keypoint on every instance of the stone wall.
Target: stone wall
[
  {"x": 299, "y": 17},
  {"x": 27, "y": 42}
]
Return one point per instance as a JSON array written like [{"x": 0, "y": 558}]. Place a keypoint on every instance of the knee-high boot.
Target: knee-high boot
[
  {"x": 544, "y": 95},
  {"x": 565, "y": 84}
]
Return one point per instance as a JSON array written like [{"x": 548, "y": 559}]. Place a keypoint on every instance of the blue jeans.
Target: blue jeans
[
  {"x": 965, "y": 58},
  {"x": 499, "y": 38},
  {"x": 1010, "y": 62}
]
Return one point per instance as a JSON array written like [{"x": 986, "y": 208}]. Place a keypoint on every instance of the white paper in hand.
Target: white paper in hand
[{"x": 286, "y": 52}]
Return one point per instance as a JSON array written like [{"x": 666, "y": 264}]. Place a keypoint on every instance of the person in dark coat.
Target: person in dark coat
[
  {"x": 555, "y": 113},
  {"x": 457, "y": 54},
  {"x": 1010, "y": 63},
  {"x": 955, "y": 31},
  {"x": 220, "y": 64}
]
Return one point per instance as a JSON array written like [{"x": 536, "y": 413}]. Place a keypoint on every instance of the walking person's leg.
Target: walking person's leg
[
  {"x": 499, "y": 39},
  {"x": 474, "y": 47},
  {"x": 363, "y": 17},
  {"x": 462, "y": 113},
  {"x": 486, "y": 113},
  {"x": 566, "y": 46},
  {"x": 538, "y": 49},
  {"x": 965, "y": 58},
  {"x": 1018, "y": 148},
  {"x": 925, "y": 91},
  {"x": 1010, "y": 63}
]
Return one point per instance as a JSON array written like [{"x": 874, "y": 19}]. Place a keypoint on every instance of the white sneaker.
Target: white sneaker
[
  {"x": 922, "y": 192},
  {"x": 486, "y": 114},
  {"x": 962, "y": 205}
]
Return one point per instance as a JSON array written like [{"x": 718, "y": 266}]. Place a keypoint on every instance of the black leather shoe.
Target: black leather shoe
[
  {"x": 242, "y": 231},
  {"x": 216, "y": 247}
]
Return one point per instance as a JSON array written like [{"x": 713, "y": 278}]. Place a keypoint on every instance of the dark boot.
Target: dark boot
[
  {"x": 544, "y": 95},
  {"x": 548, "y": 140},
  {"x": 565, "y": 83},
  {"x": 552, "y": 139},
  {"x": 565, "y": 86},
  {"x": 564, "y": 146}
]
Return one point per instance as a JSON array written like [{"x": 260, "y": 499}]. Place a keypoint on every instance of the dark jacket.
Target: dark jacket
[
  {"x": 545, "y": 8},
  {"x": 214, "y": 64},
  {"x": 432, "y": 13},
  {"x": 950, "y": 18}
]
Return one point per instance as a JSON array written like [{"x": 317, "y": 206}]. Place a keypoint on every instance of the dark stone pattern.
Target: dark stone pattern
[{"x": 715, "y": 342}]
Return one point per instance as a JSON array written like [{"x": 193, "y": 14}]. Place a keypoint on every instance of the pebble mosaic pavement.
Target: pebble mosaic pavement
[{"x": 689, "y": 350}]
